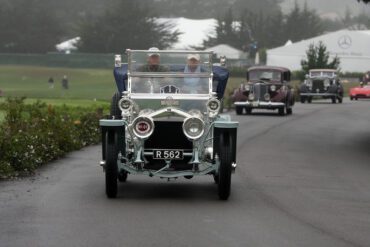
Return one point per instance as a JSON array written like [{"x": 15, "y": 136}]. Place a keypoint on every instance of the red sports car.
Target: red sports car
[{"x": 359, "y": 92}]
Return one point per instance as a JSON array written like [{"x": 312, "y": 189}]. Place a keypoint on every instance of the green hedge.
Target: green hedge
[{"x": 32, "y": 135}]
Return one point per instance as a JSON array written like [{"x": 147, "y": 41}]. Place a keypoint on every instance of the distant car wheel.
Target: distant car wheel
[
  {"x": 351, "y": 98},
  {"x": 289, "y": 111},
  {"x": 334, "y": 99},
  {"x": 216, "y": 178},
  {"x": 309, "y": 100},
  {"x": 340, "y": 100},
  {"x": 122, "y": 176},
  {"x": 282, "y": 111},
  {"x": 114, "y": 109},
  {"x": 356, "y": 98},
  {"x": 111, "y": 168},
  {"x": 239, "y": 110},
  {"x": 224, "y": 171},
  {"x": 248, "y": 111},
  {"x": 303, "y": 99}
]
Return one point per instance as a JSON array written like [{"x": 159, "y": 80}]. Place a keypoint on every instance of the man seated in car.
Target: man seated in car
[
  {"x": 192, "y": 66},
  {"x": 153, "y": 62}
]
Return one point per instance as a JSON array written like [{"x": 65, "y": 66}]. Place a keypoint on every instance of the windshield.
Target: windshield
[
  {"x": 165, "y": 72},
  {"x": 322, "y": 74},
  {"x": 265, "y": 75}
]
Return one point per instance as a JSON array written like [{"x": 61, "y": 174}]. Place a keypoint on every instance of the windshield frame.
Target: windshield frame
[{"x": 135, "y": 74}]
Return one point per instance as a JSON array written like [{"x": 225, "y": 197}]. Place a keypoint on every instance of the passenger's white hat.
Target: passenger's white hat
[
  {"x": 194, "y": 56},
  {"x": 153, "y": 51}
]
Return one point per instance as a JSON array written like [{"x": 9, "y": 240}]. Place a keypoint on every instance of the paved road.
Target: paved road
[{"x": 302, "y": 180}]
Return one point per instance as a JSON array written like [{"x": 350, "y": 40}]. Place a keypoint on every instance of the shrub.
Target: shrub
[{"x": 32, "y": 135}]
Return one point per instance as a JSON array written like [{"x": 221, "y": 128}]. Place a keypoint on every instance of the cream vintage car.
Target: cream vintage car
[{"x": 165, "y": 121}]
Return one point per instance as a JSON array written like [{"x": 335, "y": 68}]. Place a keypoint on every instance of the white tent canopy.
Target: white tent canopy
[
  {"x": 228, "y": 51},
  {"x": 352, "y": 47},
  {"x": 193, "y": 32}
]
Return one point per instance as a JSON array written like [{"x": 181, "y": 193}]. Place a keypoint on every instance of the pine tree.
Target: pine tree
[
  {"x": 317, "y": 57},
  {"x": 128, "y": 25}
]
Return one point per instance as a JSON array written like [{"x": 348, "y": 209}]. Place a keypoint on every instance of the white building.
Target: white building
[{"x": 352, "y": 47}]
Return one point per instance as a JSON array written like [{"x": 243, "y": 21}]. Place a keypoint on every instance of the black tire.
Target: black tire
[
  {"x": 289, "y": 111},
  {"x": 248, "y": 111},
  {"x": 239, "y": 110},
  {"x": 281, "y": 111},
  {"x": 340, "y": 100},
  {"x": 224, "y": 172},
  {"x": 356, "y": 98},
  {"x": 114, "y": 109},
  {"x": 309, "y": 100},
  {"x": 334, "y": 99},
  {"x": 303, "y": 99},
  {"x": 111, "y": 168},
  {"x": 351, "y": 98}
]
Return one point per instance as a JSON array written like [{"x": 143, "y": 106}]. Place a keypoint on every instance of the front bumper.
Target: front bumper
[
  {"x": 260, "y": 104},
  {"x": 318, "y": 94}
]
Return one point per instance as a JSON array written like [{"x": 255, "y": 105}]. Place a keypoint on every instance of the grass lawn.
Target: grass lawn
[
  {"x": 32, "y": 82},
  {"x": 86, "y": 86}
]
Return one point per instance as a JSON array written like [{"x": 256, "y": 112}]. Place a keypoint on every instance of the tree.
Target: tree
[
  {"x": 227, "y": 31},
  {"x": 302, "y": 24},
  {"x": 318, "y": 58},
  {"x": 28, "y": 30},
  {"x": 127, "y": 25}
]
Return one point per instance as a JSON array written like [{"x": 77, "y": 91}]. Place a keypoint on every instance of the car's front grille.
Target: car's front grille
[
  {"x": 168, "y": 135},
  {"x": 259, "y": 91},
  {"x": 318, "y": 86}
]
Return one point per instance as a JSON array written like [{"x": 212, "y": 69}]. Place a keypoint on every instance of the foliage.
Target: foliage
[
  {"x": 32, "y": 135},
  {"x": 130, "y": 24},
  {"x": 252, "y": 30},
  {"x": 28, "y": 29},
  {"x": 318, "y": 58}
]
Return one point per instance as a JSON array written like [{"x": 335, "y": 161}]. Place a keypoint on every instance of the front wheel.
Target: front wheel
[
  {"x": 282, "y": 111},
  {"x": 303, "y": 99},
  {"x": 224, "y": 171},
  {"x": 289, "y": 111},
  {"x": 340, "y": 100},
  {"x": 334, "y": 100},
  {"x": 309, "y": 100},
  {"x": 239, "y": 110},
  {"x": 111, "y": 168}
]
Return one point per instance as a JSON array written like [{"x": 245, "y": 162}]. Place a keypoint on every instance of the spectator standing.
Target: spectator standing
[
  {"x": 65, "y": 82},
  {"x": 51, "y": 82}
]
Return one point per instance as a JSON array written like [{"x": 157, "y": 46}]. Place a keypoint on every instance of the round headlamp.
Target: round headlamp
[
  {"x": 213, "y": 107},
  {"x": 251, "y": 96},
  {"x": 309, "y": 83},
  {"x": 247, "y": 87},
  {"x": 273, "y": 88},
  {"x": 143, "y": 127},
  {"x": 193, "y": 127},
  {"x": 125, "y": 104},
  {"x": 267, "y": 97}
]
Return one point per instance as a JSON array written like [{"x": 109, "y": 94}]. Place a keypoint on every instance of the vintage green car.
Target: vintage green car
[{"x": 165, "y": 120}]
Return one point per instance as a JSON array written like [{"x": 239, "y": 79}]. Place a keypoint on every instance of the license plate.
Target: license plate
[{"x": 168, "y": 154}]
